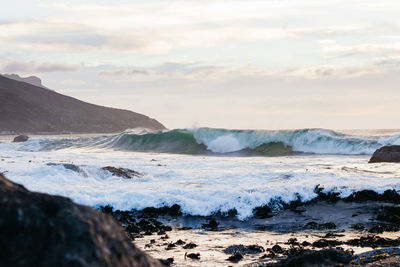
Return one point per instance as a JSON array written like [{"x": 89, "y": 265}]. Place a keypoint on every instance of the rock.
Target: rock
[
  {"x": 386, "y": 154},
  {"x": 390, "y": 196},
  {"x": 167, "y": 262},
  {"x": 174, "y": 210},
  {"x": 250, "y": 249},
  {"x": 235, "y": 257},
  {"x": 212, "y": 225},
  {"x": 277, "y": 249},
  {"x": 262, "y": 212},
  {"x": 382, "y": 227},
  {"x": 322, "y": 243},
  {"x": 332, "y": 235},
  {"x": 170, "y": 246},
  {"x": 43, "y": 230},
  {"x": 292, "y": 242},
  {"x": 122, "y": 172},
  {"x": 194, "y": 256},
  {"x": 390, "y": 214},
  {"x": 36, "y": 81},
  {"x": 373, "y": 242},
  {"x": 70, "y": 167},
  {"x": 358, "y": 226},
  {"x": 189, "y": 246},
  {"x": 21, "y": 138},
  {"x": 180, "y": 242},
  {"x": 327, "y": 257},
  {"x": 320, "y": 226}
]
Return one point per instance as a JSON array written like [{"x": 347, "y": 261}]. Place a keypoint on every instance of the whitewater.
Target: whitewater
[{"x": 203, "y": 170}]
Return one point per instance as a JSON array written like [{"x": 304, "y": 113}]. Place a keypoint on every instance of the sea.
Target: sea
[{"x": 205, "y": 171}]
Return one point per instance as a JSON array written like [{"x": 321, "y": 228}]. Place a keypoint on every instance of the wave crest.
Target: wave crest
[{"x": 204, "y": 141}]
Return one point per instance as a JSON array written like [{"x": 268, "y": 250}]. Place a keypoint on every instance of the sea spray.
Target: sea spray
[{"x": 208, "y": 141}]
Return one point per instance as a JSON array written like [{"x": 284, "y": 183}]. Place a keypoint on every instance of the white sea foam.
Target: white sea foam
[{"x": 318, "y": 141}]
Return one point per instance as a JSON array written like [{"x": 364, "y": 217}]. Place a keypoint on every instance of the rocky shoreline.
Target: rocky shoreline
[{"x": 340, "y": 242}]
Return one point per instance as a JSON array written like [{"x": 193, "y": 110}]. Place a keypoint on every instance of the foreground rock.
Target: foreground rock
[
  {"x": 43, "y": 230},
  {"x": 386, "y": 154},
  {"x": 21, "y": 138}
]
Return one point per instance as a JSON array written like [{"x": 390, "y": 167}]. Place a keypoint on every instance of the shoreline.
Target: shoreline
[{"x": 356, "y": 229}]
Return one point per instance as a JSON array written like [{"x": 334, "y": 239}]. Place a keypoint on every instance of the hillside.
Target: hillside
[{"x": 26, "y": 108}]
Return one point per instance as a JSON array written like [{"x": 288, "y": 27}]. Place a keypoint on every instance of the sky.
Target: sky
[{"x": 271, "y": 64}]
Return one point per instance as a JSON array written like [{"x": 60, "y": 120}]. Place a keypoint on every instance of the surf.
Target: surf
[{"x": 209, "y": 141}]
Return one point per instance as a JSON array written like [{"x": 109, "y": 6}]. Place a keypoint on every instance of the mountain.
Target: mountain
[
  {"x": 31, "y": 79},
  {"x": 26, "y": 108}
]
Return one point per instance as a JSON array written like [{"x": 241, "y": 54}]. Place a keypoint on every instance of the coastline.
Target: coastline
[
  {"x": 354, "y": 228},
  {"x": 226, "y": 211}
]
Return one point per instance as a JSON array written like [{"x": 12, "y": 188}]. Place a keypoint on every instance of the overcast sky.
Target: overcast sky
[{"x": 271, "y": 64}]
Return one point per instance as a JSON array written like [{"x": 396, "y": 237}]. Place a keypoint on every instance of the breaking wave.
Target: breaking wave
[{"x": 232, "y": 142}]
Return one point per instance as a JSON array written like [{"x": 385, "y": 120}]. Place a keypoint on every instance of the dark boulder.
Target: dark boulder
[
  {"x": 212, "y": 225},
  {"x": 262, "y": 212},
  {"x": 21, "y": 138},
  {"x": 386, "y": 154},
  {"x": 326, "y": 257},
  {"x": 70, "y": 167},
  {"x": 43, "y": 230},
  {"x": 122, "y": 172},
  {"x": 235, "y": 257}
]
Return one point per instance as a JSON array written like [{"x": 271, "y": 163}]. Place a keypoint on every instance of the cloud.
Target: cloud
[
  {"x": 390, "y": 62},
  {"x": 34, "y": 67},
  {"x": 169, "y": 70},
  {"x": 73, "y": 82},
  {"x": 332, "y": 72},
  {"x": 197, "y": 73},
  {"x": 159, "y": 27},
  {"x": 363, "y": 49},
  {"x": 331, "y": 31}
]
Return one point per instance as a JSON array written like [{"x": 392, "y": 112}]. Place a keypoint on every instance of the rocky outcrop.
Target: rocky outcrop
[
  {"x": 122, "y": 172},
  {"x": 21, "y": 138},
  {"x": 43, "y": 230},
  {"x": 25, "y": 108},
  {"x": 386, "y": 154},
  {"x": 31, "y": 79}
]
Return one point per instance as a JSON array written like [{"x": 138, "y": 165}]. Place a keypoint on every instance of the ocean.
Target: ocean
[{"x": 204, "y": 171}]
